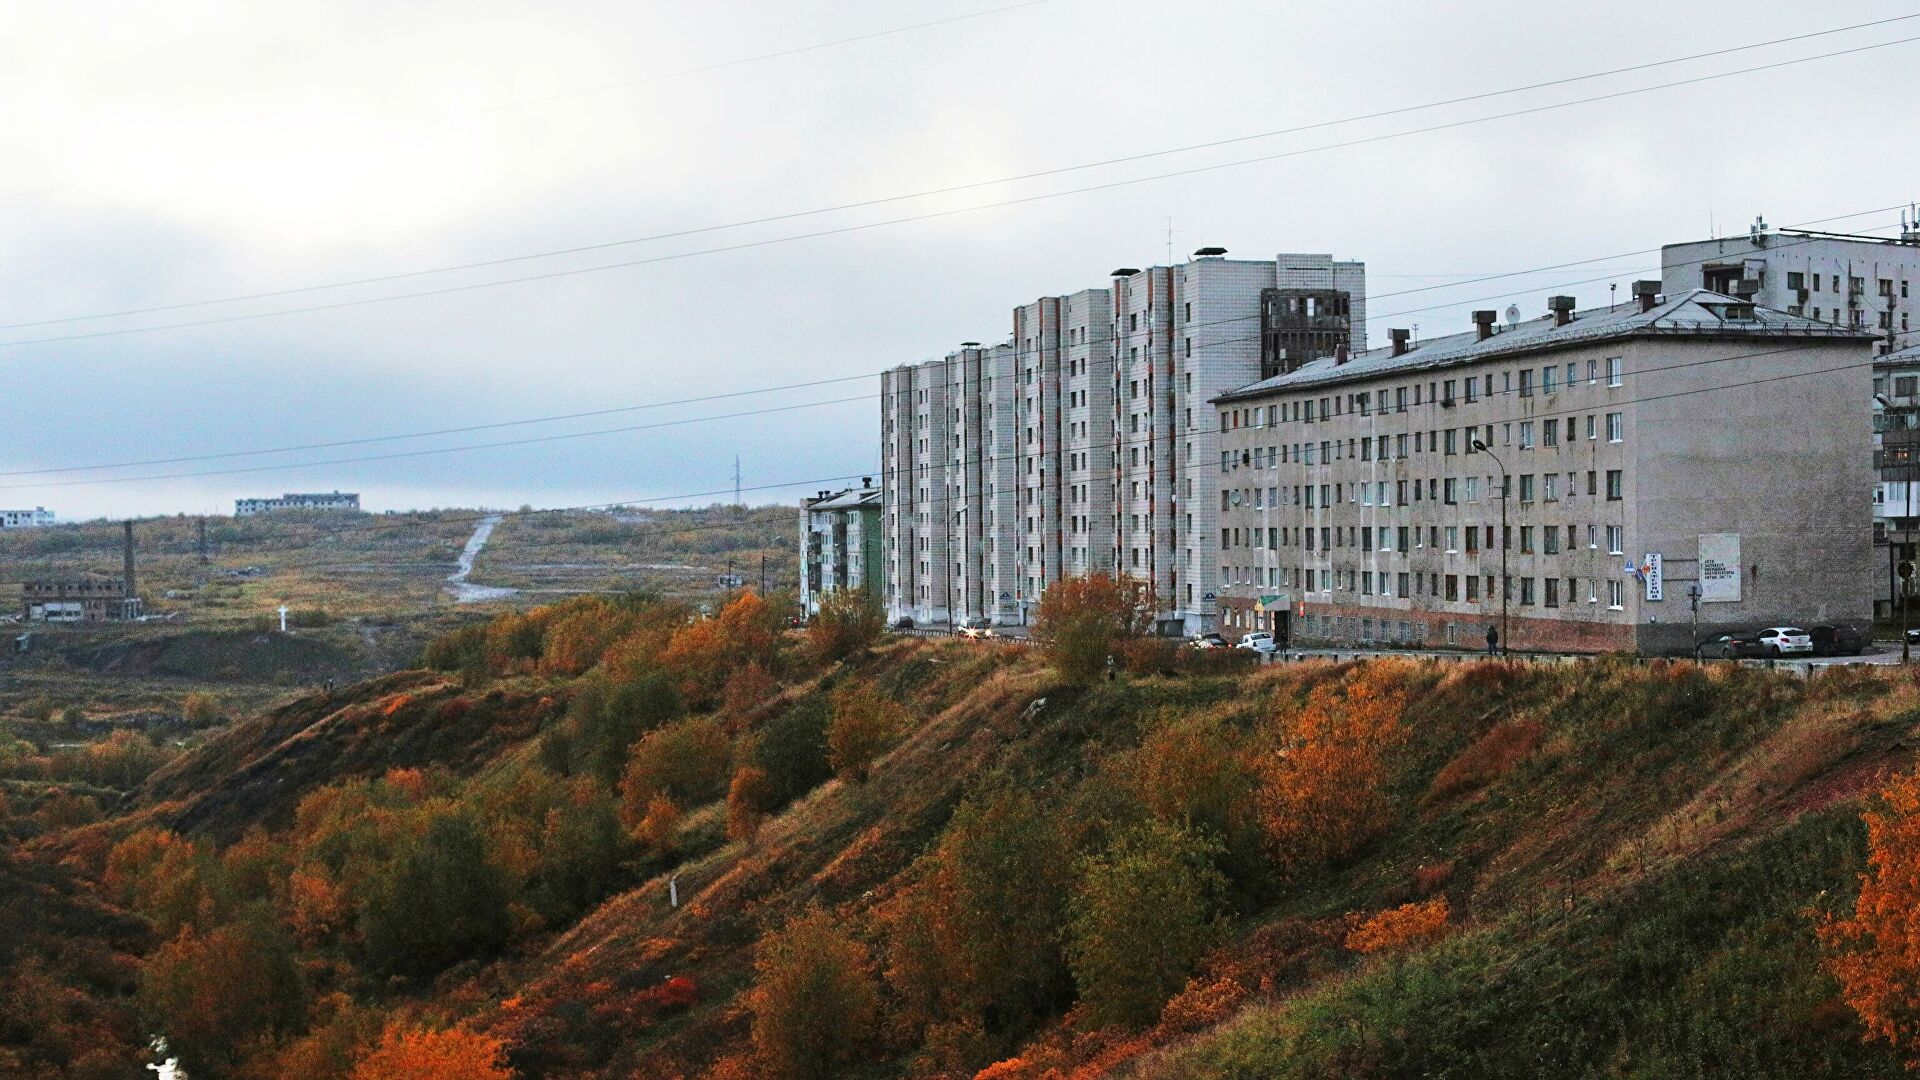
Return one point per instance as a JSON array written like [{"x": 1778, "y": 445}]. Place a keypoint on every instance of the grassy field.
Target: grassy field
[{"x": 676, "y": 553}]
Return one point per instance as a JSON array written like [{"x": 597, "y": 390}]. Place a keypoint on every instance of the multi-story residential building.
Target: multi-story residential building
[
  {"x": 326, "y": 500},
  {"x": 1896, "y": 460},
  {"x": 1581, "y": 470},
  {"x": 38, "y": 517},
  {"x": 1863, "y": 282},
  {"x": 1182, "y": 336},
  {"x": 1072, "y": 449},
  {"x": 840, "y": 542}
]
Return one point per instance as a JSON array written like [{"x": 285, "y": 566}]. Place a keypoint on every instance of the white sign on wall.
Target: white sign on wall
[
  {"x": 1719, "y": 568},
  {"x": 1652, "y": 570}
]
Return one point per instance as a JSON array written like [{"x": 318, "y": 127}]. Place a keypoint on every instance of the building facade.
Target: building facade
[
  {"x": 840, "y": 543},
  {"x": 333, "y": 500},
  {"x": 1896, "y": 462},
  {"x": 88, "y": 598},
  {"x": 1072, "y": 448},
  {"x": 36, "y": 518},
  {"x": 1862, "y": 282},
  {"x": 1582, "y": 469}
]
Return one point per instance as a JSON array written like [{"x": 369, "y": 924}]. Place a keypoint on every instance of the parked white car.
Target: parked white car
[
  {"x": 1259, "y": 641},
  {"x": 976, "y": 628},
  {"x": 1784, "y": 640}
]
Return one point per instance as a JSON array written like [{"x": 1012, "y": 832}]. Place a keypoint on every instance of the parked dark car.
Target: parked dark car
[
  {"x": 1731, "y": 647},
  {"x": 904, "y": 622},
  {"x": 1838, "y": 641}
]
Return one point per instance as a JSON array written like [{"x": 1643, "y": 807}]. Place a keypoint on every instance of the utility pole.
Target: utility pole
[
  {"x": 1693, "y": 597},
  {"x": 1906, "y": 592},
  {"x": 1506, "y": 586},
  {"x": 763, "y": 574},
  {"x": 203, "y": 540},
  {"x": 736, "y": 482}
]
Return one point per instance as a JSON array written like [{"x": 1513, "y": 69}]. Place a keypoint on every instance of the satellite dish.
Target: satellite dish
[
  {"x": 1236, "y": 498},
  {"x": 1513, "y": 314}
]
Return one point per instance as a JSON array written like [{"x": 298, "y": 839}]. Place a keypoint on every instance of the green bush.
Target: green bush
[{"x": 1142, "y": 913}]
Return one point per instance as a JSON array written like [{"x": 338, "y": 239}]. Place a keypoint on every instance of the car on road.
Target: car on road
[
  {"x": 1207, "y": 641},
  {"x": 1913, "y": 636},
  {"x": 1839, "y": 640},
  {"x": 976, "y": 628},
  {"x": 1785, "y": 640},
  {"x": 904, "y": 622},
  {"x": 1730, "y": 647},
  {"x": 1259, "y": 641}
]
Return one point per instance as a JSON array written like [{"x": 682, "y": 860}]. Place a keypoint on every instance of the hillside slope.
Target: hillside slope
[{"x": 1384, "y": 869}]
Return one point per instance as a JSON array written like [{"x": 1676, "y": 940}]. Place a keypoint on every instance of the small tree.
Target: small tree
[
  {"x": 864, "y": 724},
  {"x": 687, "y": 762},
  {"x": 1323, "y": 792},
  {"x": 201, "y": 709},
  {"x": 814, "y": 1001},
  {"x": 749, "y": 798},
  {"x": 1143, "y": 912},
  {"x": 657, "y": 826},
  {"x": 1875, "y": 954},
  {"x": 848, "y": 622},
  {"x": 1083, "y": 621}
]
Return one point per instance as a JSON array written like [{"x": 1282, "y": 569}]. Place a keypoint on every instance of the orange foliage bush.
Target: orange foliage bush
[
  {"x": 1323, "y": 790},
  {"x": 864, "y": 723},
  {"x": 1205, "y": 1002},
  {"x": 703, "y": 654},
  {"x": 413, "y": 1054},
  {"x": 1409, "y": 925},
  {"x": 814, "y": 1002},
  {"x": 1082, "y": 621},
  {"x": 1875, "y": 954},
  {"x": 747, "y": 689},
  {"x": 748, "y": 799},
  {"x": 656, "y": 828}
]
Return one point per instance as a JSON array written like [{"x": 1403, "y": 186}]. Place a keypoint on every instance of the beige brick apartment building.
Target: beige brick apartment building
[{"x": 1695, "y": 440}]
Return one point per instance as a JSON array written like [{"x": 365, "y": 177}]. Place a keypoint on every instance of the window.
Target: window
[
  {"x": 1616, "y": 540},
  {"x": 1526, "y": 592},
  {"x": 1550, "y": 433},
  {"x": 1453, "y": 538},
  {"x": 1546, "y": 380},
  {"x": 1551, "y": 537},
  {"x": 1473, "y": 588},
  {"x": 1448, "y": 492},
  {"x": 1471, "y": 394},
  {"x": 1526, "y": 487},
  {"x": 1613, "y": 371},
  {"x": 1526, "y": 539},
  {"x": 1614, "y": 485},
  {"x": 1616, "y": 427},
  {"x": 1796, "y": 280},
  {"x": 1552, "y": 593},
  {"x": 1453, "y": 587},
  {"x": 1593, "y": 367},
  {"x": 1550, "y": 487},
  {"x": 1526, "y": 434},
  {"x": 1526, "y": 382},
  {"x": 1616, "y": 594}
]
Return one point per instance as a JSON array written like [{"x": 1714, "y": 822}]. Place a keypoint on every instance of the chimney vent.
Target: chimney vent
[
  {"x": 1125, "y": 271},
  {"x": 866, "y": 481},
  {"x": 1483, "y": 323},
  {"x": 1562, "y": 308},
  {"x": 1399, "y": 337},
  {"x": 1647, "y": 293},
  {"x": 1340, "y": 354},
  {"x": 1209, "y": 252}
]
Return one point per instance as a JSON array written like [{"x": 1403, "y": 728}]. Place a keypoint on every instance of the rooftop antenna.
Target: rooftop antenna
[
  {"x": 1513, "y": 314},
  {"x": 736, "y": 481},
  {"x": 1169, "y": 241}
]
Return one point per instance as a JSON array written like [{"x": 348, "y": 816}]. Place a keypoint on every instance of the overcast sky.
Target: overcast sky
[{"x": 165, "y": 154}]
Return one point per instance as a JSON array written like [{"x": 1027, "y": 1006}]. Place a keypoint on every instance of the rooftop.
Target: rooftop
[
  {"x": 1698, "y": 313},
  {"x": 850, "y": 499}
]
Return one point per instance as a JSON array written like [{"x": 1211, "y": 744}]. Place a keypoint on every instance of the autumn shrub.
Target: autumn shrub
[
  {"x": 814, "y": 1001},
  {"x": 1193, "y": 770},
  {"x": 703, "y": 653},
  {"x": 609, "y": 713},
  {"x": 462, "y": 652},
  {"x": 162, "y": 876},
  {"x": 791, "y": 749},
  {"x": 408, "y": 1053},
  {"x": 978, "y": 936},
  {"x": 848, "y": 622},
  {"x": 1323, "y": 789},
  {"x": 747, "y": 689},
  {"x": 1408, "y": 926},
  {"x": 201, "y": 709},
  {"x": 1875, "y": 952},
  {"x": 1150, "y": 656},
  {"x": 864, "y": 724},
  {"x": 213, "y": 992},
  {"x": 688, "y": 762},
  {"x": 749, "y": 798},
  {"x": 655, "y": 829},
  {"x": 1142, "y": 913},
  {"x": 438, "y": 899},
  {"x": 1082, "y": 621}
]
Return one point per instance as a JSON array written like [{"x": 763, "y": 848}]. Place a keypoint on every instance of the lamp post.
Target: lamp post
[{"x": 1506, "y": 589}]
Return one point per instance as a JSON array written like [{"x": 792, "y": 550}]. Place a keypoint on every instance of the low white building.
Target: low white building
[
  {"x": 38, "y": 517},
  {"x": 332, "y": 500}
]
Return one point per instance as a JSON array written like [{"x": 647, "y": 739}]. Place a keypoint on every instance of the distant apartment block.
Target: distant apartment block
[
  {"x": 1896, "y": 462},
  {"x": 87, "y": 598},
  {"x": 1862, "y": 282},
  {"x": 1073, "y": 447},
  {"x": 38, "y": 517},
  {"x": 839, "y": 543},
  {"x": 331, "y": 500},
  {"x": 1584, "y": 468}
]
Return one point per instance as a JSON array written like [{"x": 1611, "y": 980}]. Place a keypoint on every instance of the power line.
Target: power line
[
  {"x": 1099, "y": 361},
  {"x": 927, "y": 216}
]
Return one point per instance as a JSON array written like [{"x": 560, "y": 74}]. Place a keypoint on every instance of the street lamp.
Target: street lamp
[{"x": 1506, "y": 587}]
